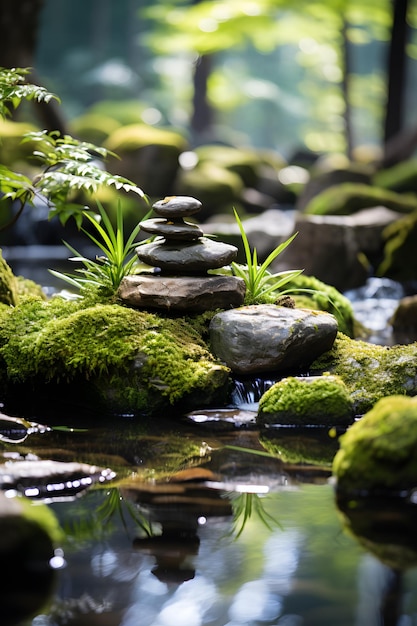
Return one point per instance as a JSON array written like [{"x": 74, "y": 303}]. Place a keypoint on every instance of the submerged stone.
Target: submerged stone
[
  {"x": 379, "y": 452},
  {"x": 306, "y": 401},
  {"x": 265, "y": 338}
]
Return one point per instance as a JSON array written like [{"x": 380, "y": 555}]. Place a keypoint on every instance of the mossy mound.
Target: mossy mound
[
  {"x": 400, "y": 259},
  {"x": 131, "y": 360},
  {"x": 309, "y": 292},
  {"x": 244, "y": 163},
  {"x": 148, "y": 156},
  {"x": 380, "y": 450},
  {"x": 370, "y": 371},
  {"x": 401, "y": 177},
  {"x": 135, "y": 136},
  {"x": 348, "y": 198},
  {"x": 123, "y": 111},
  {"x": 93, "y": 127},
  {"x": 302, "y": 401}
]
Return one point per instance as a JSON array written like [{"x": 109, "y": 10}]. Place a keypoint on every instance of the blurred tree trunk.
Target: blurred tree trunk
[
  {"x": 397, "y": 62},
  {"x": 202, "y": 115},
  {"x": 18, "y": 39}
]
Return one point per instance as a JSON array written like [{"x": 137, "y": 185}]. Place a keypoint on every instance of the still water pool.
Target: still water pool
[{"x": 198, "y": 528}]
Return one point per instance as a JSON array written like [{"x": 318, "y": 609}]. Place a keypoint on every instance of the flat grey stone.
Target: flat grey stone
[
  {"x": 178, "y": 230},
  {"x": 269, "y": 338},
  {"x": 182, "y": 293},
  {"x": 187, "y": 257}
]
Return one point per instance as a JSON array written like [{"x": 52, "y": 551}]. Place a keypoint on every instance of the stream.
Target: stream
[{"x": 204, "y": 525}]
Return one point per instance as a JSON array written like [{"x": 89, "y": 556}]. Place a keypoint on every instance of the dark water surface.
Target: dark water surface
[{"x": 196, "y": 529}]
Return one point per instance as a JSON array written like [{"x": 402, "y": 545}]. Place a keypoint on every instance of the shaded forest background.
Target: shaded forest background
[{"x": 323, "y": 76}]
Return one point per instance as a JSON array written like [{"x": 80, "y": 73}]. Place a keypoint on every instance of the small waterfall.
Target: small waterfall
[{"x": 247, "y": 392}]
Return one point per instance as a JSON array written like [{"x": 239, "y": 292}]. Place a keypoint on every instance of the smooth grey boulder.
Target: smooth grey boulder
[
  {"x": 182, "y": 293},
  {"x": 266, "y": 338}
]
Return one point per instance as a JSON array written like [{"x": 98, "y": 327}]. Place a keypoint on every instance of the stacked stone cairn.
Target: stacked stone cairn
[{"x": 181, "y": 256}]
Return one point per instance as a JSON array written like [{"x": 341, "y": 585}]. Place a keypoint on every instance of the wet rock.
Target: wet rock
[
  {"x": 16, "y": 429},
  {"x": 266, "y": 338},
  {"x": 306, "y": 401},
  {"x": 50, "y": 479},
  {"x": 404, "y": 320},
  {"x": 399, "y": 262},
  {"x": 350, "y": 239},
  {"x": 182, "y": 293}
]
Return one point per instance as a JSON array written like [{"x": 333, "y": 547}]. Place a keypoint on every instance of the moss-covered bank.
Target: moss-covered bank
[{"x": 133, "y": 360}]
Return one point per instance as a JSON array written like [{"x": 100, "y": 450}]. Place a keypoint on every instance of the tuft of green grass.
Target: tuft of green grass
[
  {"x": 104, "y": 272},
  {"x": 261, "y": 285}
]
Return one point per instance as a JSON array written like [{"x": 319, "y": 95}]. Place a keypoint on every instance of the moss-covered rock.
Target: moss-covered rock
[
  {"x": 400, "y": 259},
  {"x": 348, "y": 198},
  {"x": 370, "y": 371},
  {"x": 93, "y": 127},
  {"x": 380, "y": 450},
  {"x": 131, "y": 360},
  {"x": 8, "y": 284},
  {"x": 311, "y": 293},
  {"x": 243, "y": 162},
  {"x": 148, "y": 156},
  {"x": 306, "y": 401}
]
